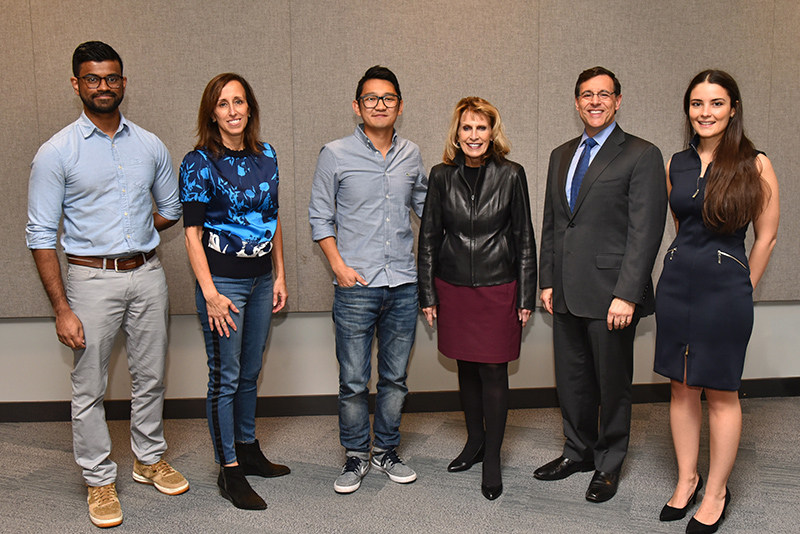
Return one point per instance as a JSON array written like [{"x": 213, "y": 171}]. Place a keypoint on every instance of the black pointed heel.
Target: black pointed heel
[
  {"x": 668, "y": 513},
  {"x": 492, "y": 492},
  {"x": 696, "y": 527},
  {"x": 462, "y": 465}
]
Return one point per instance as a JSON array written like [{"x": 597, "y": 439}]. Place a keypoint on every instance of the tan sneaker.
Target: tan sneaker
[
  {"x": 161, "y": 475},
  {"x": 104, "y": 508}
]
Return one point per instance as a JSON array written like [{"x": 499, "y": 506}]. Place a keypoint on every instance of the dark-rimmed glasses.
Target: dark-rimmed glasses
[
  {"x": 371, "y": 101},
  {"x": 92, "y": 81}
]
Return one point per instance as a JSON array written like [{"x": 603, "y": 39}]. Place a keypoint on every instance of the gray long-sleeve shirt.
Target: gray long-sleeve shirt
[{"x": 365, "y": 201}]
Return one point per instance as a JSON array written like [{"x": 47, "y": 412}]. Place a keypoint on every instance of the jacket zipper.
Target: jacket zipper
[
  {"x": 719, "y": 259},
  {"x": 471, "y": 224}
]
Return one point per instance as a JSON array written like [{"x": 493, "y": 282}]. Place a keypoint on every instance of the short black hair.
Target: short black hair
[
  {"x": 378, "y": 73},
  {"x": 93, "y": 51},
  {"x": 588, "y": 74}
]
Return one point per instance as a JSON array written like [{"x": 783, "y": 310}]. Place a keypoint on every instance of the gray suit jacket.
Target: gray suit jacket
[{"x": 607, "y": 246}]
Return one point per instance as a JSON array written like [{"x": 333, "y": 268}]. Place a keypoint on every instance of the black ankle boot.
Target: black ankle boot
[
  {"x": 234, "y": 487},
  {"x": 254, "y": 462}
]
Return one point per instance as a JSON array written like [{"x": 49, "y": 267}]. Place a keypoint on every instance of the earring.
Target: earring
[{"x": 456, "y": 144}]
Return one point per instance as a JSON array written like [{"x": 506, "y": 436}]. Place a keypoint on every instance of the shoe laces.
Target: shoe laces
[
  {"x": 352, "y": 464},
  {"x": 104, "y": 494},
  {"x": 163, "y": 468},
  {"x": 390, "y": 458}
]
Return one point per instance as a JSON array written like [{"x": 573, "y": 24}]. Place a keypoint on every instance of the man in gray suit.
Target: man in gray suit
[{"x": 604, "y": 215}]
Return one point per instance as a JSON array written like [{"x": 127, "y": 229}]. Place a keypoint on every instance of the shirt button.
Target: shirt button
[
  {"x": 119, "y": 166},
  {"x": 387, "y": 219},
  {"x": 125, "y": 214},
  {"x": 123, "y": 190}
]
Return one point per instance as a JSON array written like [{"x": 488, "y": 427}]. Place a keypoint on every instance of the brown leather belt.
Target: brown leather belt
[{"x": 118, "y": 264}]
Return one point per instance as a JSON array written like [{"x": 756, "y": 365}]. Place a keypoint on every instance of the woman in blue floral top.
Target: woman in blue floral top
[{"x": 229, "y": 191}]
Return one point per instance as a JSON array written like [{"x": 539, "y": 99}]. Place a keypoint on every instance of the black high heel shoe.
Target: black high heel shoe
[
  {"x": 462, "y": 465},
  {"x": 492, "y": 492},
  {"x": 668, "y": 513},
  {"x": 696, "y": 527}
]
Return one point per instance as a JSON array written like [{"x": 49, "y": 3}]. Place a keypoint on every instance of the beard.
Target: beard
[{"x": 104, "y": 107}]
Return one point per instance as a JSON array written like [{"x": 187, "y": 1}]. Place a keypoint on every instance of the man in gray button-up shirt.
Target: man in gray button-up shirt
[{"x": 365, "y": 187}]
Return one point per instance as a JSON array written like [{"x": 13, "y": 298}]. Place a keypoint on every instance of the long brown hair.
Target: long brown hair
[
  {"x": 500, "y": 146},
  {"x": 208, "y": 135},
  {"x": 735, "y": 192}
]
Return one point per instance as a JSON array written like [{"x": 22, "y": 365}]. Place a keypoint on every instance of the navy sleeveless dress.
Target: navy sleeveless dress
[{"x": 704, "y": 298}]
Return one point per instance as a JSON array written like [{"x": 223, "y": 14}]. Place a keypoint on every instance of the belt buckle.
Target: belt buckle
[{"x": 116, "y": 265}]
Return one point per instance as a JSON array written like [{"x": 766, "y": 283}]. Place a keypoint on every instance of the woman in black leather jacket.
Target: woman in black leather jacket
[{"x": 477, "y": 274}]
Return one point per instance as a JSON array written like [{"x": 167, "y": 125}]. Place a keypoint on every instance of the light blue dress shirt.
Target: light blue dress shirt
[
  {"x": 365, "y": 201},
  {"x": 601, "y": 139},
  {"x": 104, "y": 188}
]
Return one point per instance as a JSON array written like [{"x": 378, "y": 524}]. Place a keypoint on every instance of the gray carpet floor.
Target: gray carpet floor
[{"x": 42, "y": 490}]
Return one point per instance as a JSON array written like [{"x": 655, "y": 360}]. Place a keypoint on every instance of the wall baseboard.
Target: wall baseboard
[{"x": 434, "y": 401}]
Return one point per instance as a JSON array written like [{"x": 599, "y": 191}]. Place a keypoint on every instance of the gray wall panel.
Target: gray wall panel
[
  {"x": 168, "y": 66},
  {"x": 780, "y": 281},
  {"x": 655, "y": 50},
  {"x": 304, "y": 57},
  {"x": 438, "y": 56},
  {"x": 19, "y": 290}
]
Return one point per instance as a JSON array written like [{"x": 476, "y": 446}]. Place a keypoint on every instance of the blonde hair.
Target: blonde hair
[{"x": 500, "y": 146}]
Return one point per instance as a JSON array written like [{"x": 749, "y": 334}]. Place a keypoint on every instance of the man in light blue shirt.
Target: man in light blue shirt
[
  {"x": 102, "y": 173},
  {"x": 365, "y": 187}
]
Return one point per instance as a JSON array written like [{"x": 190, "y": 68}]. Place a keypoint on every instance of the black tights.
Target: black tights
[{"x": 484, "y": 398}]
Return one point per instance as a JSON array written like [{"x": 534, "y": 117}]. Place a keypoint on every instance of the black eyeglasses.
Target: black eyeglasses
[
  {"x": 92, "y": 81},
  {"x": 371, "y": 101}
]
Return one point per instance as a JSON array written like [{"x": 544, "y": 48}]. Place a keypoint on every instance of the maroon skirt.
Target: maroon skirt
[{"x": 479, "y": 324}]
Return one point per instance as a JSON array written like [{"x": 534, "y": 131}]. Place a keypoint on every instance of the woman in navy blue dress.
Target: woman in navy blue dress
[{"x": 704, "y": 301}]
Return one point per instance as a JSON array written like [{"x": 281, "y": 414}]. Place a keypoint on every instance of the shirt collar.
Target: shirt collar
[
  {"x": 601, "y": 136},
  {"x": 364, "y": 139},
  {"x": 88, "y": 127}
]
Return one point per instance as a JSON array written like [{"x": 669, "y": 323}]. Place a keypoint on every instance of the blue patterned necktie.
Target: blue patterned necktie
[{"x": 580, "y": 171}]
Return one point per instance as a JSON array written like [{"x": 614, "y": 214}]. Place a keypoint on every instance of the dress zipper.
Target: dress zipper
[{"x": 719, "y": 259}]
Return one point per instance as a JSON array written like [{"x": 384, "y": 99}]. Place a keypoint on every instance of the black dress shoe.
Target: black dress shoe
[
  {"x": 602, "y": 487},
  {"x": 462, "y": 465},
  {"x": 492, "y": 492},
  {"x": 562, "y": 468},
  {"x": 696, "y": 527},
  {"x": 668, "y": 513}
]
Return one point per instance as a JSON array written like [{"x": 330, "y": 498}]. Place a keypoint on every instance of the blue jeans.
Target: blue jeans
[
  {"x": 234, "y": 362},
  {"x": 357, "y": 311}
]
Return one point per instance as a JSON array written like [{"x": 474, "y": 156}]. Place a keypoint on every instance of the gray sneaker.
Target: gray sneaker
[
  {"x": 388, "y": 462},
  {"x": 356, "y": 466}
]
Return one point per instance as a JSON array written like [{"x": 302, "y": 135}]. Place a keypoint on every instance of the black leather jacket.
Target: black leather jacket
[{"x": 480, "y": 238}]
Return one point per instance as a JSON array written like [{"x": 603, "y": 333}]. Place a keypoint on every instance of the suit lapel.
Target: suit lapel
[
  {"x": 610, "y": 150},
  {"x": 563, "y": 169}
]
